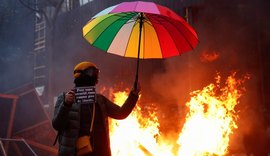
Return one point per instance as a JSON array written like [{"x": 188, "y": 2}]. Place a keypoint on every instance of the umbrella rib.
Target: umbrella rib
[
  {"x": 96, "y": 26},
  {"x": 149, "y": 23},
  {"x": 108, "y": 28},
  {"x": 130, "y": 37},
  {"x": 129, "y": 22},
  {"x": 143, "y": 29},
  {"x": 180, "y": 32},
  {"x": 165, "y": 18},
  {"x": 104, "y": 20},
  {"x": 167, "y": 32},
  {"x": 117, "y": 14},
  {"x": 170, "y": 35},
  {"x": 135, "y": 22}
]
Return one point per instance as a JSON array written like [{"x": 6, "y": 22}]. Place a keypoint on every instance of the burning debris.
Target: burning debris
[
  {"x": 209, "y": 56},
  {"x": 208, "y": 125}
]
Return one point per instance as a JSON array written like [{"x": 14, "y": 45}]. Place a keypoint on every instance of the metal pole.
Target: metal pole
[
  {"x": 2, "y": 147},
  {"x": 139, "y": 47},
  {"x": 29, "y": 147},
  {"x": 6, "y": 139}
]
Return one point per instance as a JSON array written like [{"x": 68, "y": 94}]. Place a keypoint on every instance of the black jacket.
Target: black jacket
[{"x": 66, "y": 120}]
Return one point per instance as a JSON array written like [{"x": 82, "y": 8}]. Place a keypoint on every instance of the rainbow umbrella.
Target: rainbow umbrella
[{"x": 142, "y": 30}]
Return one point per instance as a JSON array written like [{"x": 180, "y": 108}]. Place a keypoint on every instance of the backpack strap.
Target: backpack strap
[{"x": 93, "y": 118}]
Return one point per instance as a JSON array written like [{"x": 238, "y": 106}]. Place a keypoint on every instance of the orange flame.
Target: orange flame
[
  {"x": 210, "y": 121},
  {"x": 135, "y": 136}
]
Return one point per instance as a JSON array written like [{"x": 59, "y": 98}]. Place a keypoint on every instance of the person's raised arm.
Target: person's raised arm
[{"x": 117, "y": 112}]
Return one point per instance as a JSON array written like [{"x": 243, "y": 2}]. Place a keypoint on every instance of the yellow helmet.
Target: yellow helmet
[{"x": 79, "y": 68}]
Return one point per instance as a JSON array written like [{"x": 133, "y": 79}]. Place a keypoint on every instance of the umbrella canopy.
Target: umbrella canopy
[
  {"x": 142, "y": 30},
  {"x": 116, "y": 30}
]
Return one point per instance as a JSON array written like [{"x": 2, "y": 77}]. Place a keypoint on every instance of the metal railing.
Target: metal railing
[{"x": 4, "y": 146}]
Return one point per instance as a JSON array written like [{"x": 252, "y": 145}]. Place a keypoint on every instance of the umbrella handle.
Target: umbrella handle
[
  {"x": 135, "y": 85},
  {"x": 139, "y": 49}
]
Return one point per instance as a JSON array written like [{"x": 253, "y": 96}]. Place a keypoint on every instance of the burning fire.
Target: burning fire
[
  {"x": 210, "y": 121},
  {"x": 136, "y": 136}
]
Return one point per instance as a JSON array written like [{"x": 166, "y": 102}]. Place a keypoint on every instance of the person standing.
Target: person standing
[{"x": 75, "y": 121}]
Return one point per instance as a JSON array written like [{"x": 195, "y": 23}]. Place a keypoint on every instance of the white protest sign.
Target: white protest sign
[{"x": 85, "y": 95}]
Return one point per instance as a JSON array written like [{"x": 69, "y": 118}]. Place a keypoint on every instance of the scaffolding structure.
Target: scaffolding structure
[
  {"x": 41, "y": 56},
  {"x": 40, "y": 64}
]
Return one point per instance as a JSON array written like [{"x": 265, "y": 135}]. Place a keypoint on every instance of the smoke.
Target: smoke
[
  {"x": 16, "y": 41},
  {"x": 233, "y": 32}
]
